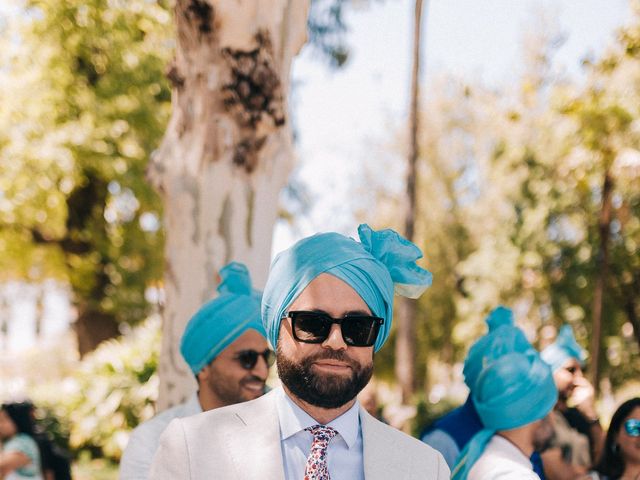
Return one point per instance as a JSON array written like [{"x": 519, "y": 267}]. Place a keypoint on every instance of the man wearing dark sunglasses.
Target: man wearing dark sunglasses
[
  {"x": 327, "y": 308},
  {"x": 224, "y": 345},
  {"x": 578, "y": 438}
]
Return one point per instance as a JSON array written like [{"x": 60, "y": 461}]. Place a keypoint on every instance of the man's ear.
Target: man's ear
[{"x": 203, "y": 374}]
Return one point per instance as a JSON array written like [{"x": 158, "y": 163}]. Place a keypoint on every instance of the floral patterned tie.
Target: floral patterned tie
[{"x": 316, "y": 468}]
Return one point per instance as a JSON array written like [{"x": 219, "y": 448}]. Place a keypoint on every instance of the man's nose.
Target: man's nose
[{"x": 334, "y": 340}]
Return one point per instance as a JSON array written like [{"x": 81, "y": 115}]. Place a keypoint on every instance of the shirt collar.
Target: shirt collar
[{"x": 294, "y": 419}]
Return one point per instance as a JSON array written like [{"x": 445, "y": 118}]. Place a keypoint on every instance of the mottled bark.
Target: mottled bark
[{"x": 225, "y": 156}]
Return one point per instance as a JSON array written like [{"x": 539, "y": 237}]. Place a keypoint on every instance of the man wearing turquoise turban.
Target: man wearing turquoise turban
[
  {"x": 513, "y": 395},
  {"x": 579, "y": 438},
  {"x": 327, "y": 307},
  {"x": 225, "y": 347},
  {"x": 451, "y": 433}
]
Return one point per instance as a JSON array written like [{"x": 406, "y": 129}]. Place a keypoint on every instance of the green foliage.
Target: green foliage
[
  {"x": 510, "y": 193},
  {"x": 114, "y": 390},
  {"x": 427, "y": 413},
  {"x": 85, "y": 104},
  {"x": 97, "y": 469},
  {"x": 326, "y": 29}
]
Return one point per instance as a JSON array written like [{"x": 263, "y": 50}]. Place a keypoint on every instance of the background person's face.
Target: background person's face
[
  {"x": 225, "y": 377},
  {"x": 329, "y": 374},
  {"x": 629, "y": 446},
  {"x": 566, "y": 378},
  {"x": 7, "y": 427}
]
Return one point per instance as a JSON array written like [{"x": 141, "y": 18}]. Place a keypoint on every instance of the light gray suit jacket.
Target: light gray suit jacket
[{"x": 242, "y": 442}]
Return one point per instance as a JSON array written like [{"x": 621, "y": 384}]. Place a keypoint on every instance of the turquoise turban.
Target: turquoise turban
[
  {"x": 380, "y": 263},
  {"x": 499, "y": 321},
  {"x": 514, "y": 389},
  {"x": 222, "y": 320},
  {"x": 564, "y": 348}
]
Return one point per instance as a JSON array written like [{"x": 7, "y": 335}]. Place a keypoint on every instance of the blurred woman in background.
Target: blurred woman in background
[
  {"x": 19, "y": 456},
  {"x": 621, "y": 456}
]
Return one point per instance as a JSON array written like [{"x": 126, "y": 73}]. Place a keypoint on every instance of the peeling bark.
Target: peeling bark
[{"x": 225, "y": 155}]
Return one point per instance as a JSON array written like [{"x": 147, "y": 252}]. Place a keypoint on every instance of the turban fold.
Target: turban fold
[
  {"x": 500, "y": 321},
  {"x": 514, "y": 388},
  {"x": 222, "y": 320},
  {"x": 380, "y": 263},
  {"x": 564, "y": 348}
]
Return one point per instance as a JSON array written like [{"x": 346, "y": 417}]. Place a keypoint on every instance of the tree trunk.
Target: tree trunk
[
  {"x": 631, "y": 309},
  {"x": 406, "y": 336},
  {"x": 40, "y": 293},
  {"x": 602, "y": 267},
  {"x": 5, "y": 315},
  {"x": 225, "y": 156},
  {"x": 93, "y": 327}
]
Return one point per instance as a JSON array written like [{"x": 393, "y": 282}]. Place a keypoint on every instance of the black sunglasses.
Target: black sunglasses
[
  {"x": 249, "y": 358},
  {"x": 314, "y": 327}
]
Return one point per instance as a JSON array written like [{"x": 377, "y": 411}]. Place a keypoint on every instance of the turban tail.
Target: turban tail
[
  {"x": 222, "y": 320},
  {"x": 371, "y": 267},
  {"x": 564, "y": 348},
  {"x": 514, "y": 389}
]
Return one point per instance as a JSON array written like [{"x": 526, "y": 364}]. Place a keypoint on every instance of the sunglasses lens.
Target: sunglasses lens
[
  {"x": 310, "y": 327},
  {"x": 360, "y": 331},
  {"x": 269, "y": 357},
  {"x": 248, "y": 359},
  {"x": 632, "y": 426}
]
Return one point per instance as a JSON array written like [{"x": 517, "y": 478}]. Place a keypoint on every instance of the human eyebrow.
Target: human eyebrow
[
  {"x": 357, "y": 313},
  {"x": 349, "y": 313}
]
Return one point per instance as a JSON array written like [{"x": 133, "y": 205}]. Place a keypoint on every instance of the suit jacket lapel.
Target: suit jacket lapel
[
  {"x": 380, "y": 458},
  {"x": 255, "y": 445}
]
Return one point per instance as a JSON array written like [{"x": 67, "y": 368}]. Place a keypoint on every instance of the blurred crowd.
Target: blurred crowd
[{"x": 540, "y": 404}]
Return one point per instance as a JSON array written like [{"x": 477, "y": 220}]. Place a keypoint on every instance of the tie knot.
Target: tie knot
[{"x": 322, "y": 433}]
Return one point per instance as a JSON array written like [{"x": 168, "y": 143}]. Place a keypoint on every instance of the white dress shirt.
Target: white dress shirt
[
  {"x": 145, "y": 438},
  {"x": 344, "y": 454},
  {"x": 502, "y": 460}
]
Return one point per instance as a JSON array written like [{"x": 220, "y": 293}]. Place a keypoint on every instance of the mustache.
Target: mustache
[
  {"x": 252, "y": 378},
  {"x": 332, "y": 355}
]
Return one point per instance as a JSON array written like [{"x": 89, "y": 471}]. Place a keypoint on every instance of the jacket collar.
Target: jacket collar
[{"x": 258, "y": 432}]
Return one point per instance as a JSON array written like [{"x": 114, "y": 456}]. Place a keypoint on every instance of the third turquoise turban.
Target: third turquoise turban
[
  {"x": 381, "y": 262},
  {"x": 514, "y": 389},
  {"x": 501, "y": 325},
  {"x": 564, "y": 348}
]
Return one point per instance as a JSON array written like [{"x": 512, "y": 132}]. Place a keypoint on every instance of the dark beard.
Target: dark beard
[{"x": 323, "y": 391}]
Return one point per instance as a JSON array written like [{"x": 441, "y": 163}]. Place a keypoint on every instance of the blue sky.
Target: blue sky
[{"x": 343, "y": 117}]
